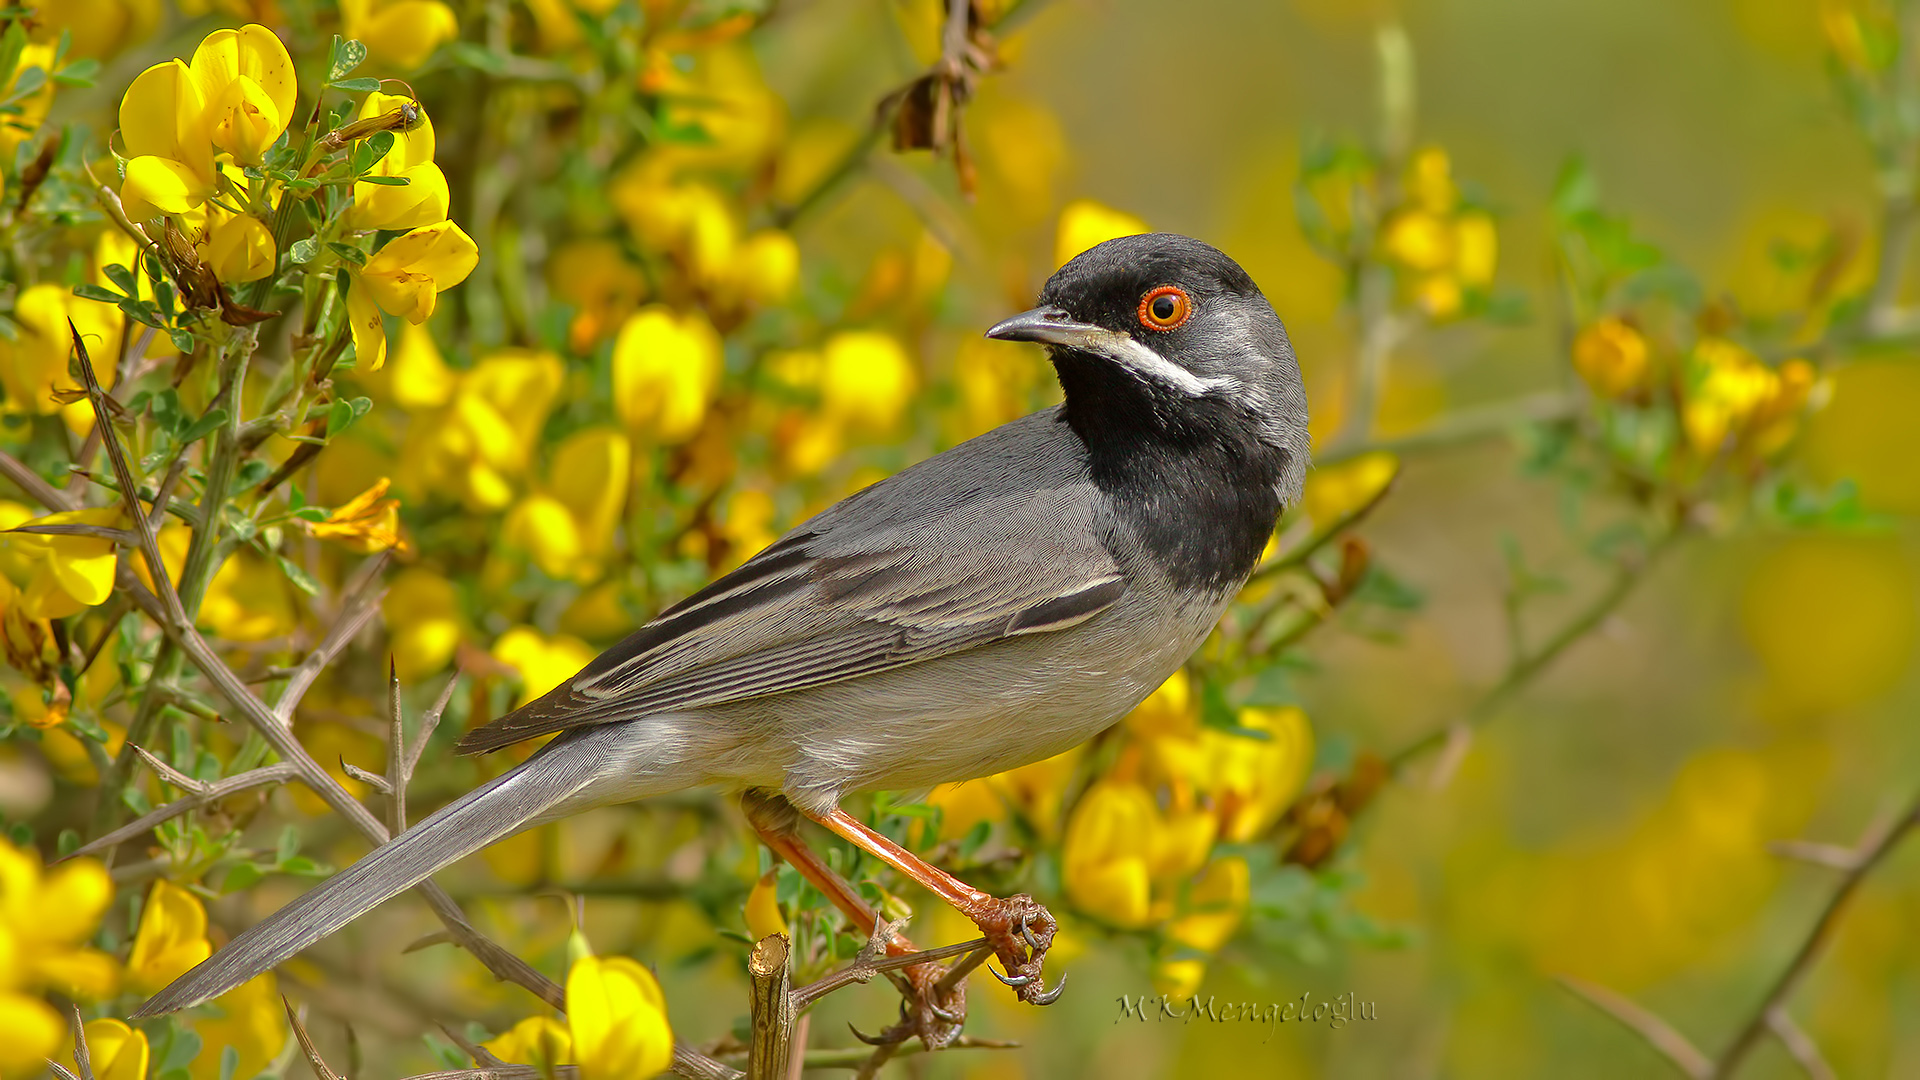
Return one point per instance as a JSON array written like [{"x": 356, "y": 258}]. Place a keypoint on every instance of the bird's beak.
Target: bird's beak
[{"x": 1049, "y": 326}]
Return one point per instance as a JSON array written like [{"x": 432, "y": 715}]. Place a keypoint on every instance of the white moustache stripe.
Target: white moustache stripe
[{"x": 1153, "y": 367}]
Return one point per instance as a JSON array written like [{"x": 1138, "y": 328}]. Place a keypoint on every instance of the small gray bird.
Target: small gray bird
[{"x": 991, "y": 606}]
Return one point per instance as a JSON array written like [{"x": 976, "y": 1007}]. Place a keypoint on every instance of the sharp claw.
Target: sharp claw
[
  {"x": 1050, "y": 996},
  {"x": 1016, "y": 981},
  {"x": 1032, "y": 941},
  {"x": 870, "y": 1040},
  {"x": 951, "y": 1018}
]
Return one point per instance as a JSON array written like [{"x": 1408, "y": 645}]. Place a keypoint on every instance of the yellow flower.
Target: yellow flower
[
  {"x": 1338, "y": 493},
  {"x": 600, "y": 282},
  {"x": 34, "y": 364},
  {"x": 422, "y": 611},
  {"x": 58, "y": 576},
  {"x": 1085, "y": 223},
  {"x": 368, "y": 523},
  {"x": 45, "y": 919},
  {"x": 1215, "y": 904},
  {"x": 249, "y": 599},
  {"x": 33, "y": 107},
  {"x": 540, "y": 1041},
  {"x": 163, "y": 123},
  {"x": 866, "y": 379},
  {"x": 1476, "y": 248},
  {"x": 404, "y": 278},
  {"x": 766, "y": 266},
  {"x": 1611, "y": 356},
  {"x": 238, "y": 248},
  {"x": 568, "y": 528},
  {"x": 1418, "y": 240},
  {"x": 763, "y": 909},
  {"x": 253, "y": 1022},
  {"x": 246, "y": 79},
  {"x": 665, "y": 371},
  {"x": 398, "y": 34},
  {"x": 118, "y": 1052},
  {"x": 482, "y": 441},
  {"x": 1727, "y": 386},
  {"x": 99, "y": 28},
  {"x": 543, "y": 662},
  {"x": 1430, "y": 181},
  {"x": 172, "y": 938},
  {"x": 618, "y": 1018},
  {"x": 415, "y": 377},
  {"x": 1106, "y": 869},
  {"x": 423, "y": 201},
  {"x": 1251, "y": 781},
  {"x": 1169, "y": 710},
  {"x": 30, "y": 1033}
]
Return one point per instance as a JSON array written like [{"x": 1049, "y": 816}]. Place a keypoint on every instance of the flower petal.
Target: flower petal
[
  {"x": 369, "y": 332},
  {"x": 163, "y": 114},
  {"x": 170, "y": 186}
]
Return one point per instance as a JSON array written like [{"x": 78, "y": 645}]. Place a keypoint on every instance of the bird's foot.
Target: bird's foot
[
  {"x": 1020, "y": 929},
  {"x": 933, "y": 1008}
]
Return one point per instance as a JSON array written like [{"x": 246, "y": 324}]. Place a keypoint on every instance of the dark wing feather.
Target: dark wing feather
[{"x": 818, "y": 607}]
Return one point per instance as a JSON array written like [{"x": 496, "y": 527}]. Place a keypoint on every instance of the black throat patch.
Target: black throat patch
[{"x": 1186, "y": 474}]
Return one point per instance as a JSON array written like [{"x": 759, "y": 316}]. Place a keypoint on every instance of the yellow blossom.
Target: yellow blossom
[
  {"x": 763, "y": 909},
  {"x": 543, "y": 662},
  {"x": 602, "y": 285},
  {"x": 540, "y": 1041},
  {"x": 665, "y": 370},
  {"x": 766, "y": 267},
  {"x": 422, "y": 611},
  {"x": 1216, "y": 903},
  {"x": 398, "y": 34},
  {"x": 118, "y": 1052},
  {"x": 99, "y": 28},
  {"x": 239, "y": 248},
  {"x": 163, "y": 124},
  {"x": 568, "y": 527},
  {"x": 1418, "y": 240},
  {"x": 252, "y": 1021},
  {"x": 56, "y": 576},
  {"x": 249, "y": 599},
  {"x": 404, "y": 278},
  {"x": 46, "y": 919},
  {"x": 1251, "y": 780},
  {"x": 1085, "y": 223},
  {"x": 1476, "y": 248},
  {"x": 1429, "y": 181},
  {"x": 1727, "y": 385},
  {"x": 1611, "y": 356},
  {"x": 416, "y": 375},
  {"x": 423, "y": 199},
  {"x": 1169, "y": 710},
  {"x": 368, "y": 523},
  {"x": 33, "y": 106},
  {"x": 1336, "y": 494},
  {"x": 866, "y": 379},
  {"x": 246, "y": 79},
  {"x": 1106, "y": 869},
  {"x": 172, "y": 938},
  {"x": 30, "y": 1033},
  {"x": 481, "y": 443},
  {"x": 34, "y": 364},
  {"x": 618, "y": 1018}
]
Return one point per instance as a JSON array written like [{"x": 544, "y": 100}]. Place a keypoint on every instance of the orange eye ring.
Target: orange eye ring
[{"x": 1165, "y": 307}]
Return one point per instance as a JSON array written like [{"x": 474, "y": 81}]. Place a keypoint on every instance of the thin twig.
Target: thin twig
[
  {"x": 1880, "y": 839},
  {"x": 865, "y": 967},
  {"x": 1799, "y": 1046},
  {"x": 363, "y": 594},
  {"x": 321, "y": 1070},
  {"x": 31, "y": 484},
  {"x": 1665, "y": 1041},
  {"x": 278, "y": 773}
]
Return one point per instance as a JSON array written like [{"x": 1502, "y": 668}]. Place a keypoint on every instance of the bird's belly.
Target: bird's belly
[{"x": 979, "y": 712}]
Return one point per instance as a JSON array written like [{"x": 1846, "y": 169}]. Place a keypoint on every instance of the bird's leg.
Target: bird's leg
[
  {"x": 1019, "y": 928},
  {"x": 932, "y": 1011}
]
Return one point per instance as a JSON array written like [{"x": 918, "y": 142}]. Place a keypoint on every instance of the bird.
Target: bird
[{"x": 990, "y": 606}]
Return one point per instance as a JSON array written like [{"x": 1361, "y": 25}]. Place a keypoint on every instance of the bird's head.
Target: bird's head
[{"x": 1165, "y": 336}]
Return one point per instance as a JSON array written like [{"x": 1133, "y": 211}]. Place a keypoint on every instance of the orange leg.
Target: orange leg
[
  {"x": 930, "y": 1010},
  {"x": 1019, "y": 928}
]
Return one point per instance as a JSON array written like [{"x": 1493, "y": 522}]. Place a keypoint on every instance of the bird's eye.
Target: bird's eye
[{"x": 1165, "y": 307}]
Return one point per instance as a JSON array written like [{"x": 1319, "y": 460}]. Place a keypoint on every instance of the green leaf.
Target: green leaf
[
  {"x": 356, "y": 86},
  {"x": 80, "y": 73},
  {"x": 204, "y": 426},
  {"x": 368, "y": 151},
  {"x": 347, "y": 252},
  {"x": 31, "y": 79},
  {"x": 124, "y": 278},
  {"x": 468, "y": 54},
  {"x": 311, "y": 513},
  {"x": 241, "y": 877},
  {"x": 165, "y": 410},
  {"x": 300, "y": 578},
  {"x": 343, "y": 58},
  {"x": 385, "y": 181},
  {"x": 288, "y": 845},
  {"x": 304, "y": 250},
  {"x": 95, "y": 292},
  {"x": 182, "y": 340}
]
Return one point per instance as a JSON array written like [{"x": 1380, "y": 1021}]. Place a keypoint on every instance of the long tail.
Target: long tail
[{"x": 491, "y": 812}]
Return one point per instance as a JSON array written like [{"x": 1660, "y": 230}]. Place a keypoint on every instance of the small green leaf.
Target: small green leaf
[
  {"x": 345, "y": 56},
  {"x": 347, "y": 252},
  {"x": 124, "y": 278},
  {"x": 356, "y": 86},
  {"x": 300, "y": 578},
  {"x": 95, "y": 292},
  {"x": 182, "y": 340},
  {"x": 288, "y": 845},
  {"x": 204, "y": 426},
  {"x": 385, "y": 181},
  {"x": 311, "y": 513},
  {"x": 468, "y": 54},
  {"x": 241, "y": 878},
  {"x": 79, "y": 74},
  {"x": 304, "y": 250}
]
